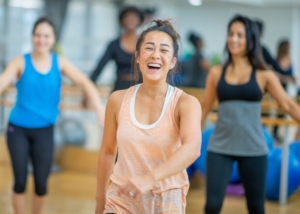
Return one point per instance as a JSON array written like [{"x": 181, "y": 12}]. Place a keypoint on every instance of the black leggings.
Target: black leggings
[
  {"x": 253, "y": 174},
  {"x": 36, "y": 144}
]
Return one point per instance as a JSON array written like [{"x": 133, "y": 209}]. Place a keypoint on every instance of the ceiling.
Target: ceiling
[
  {"x": 243, "y": 2},
  {"x": 263, "y": 2}
]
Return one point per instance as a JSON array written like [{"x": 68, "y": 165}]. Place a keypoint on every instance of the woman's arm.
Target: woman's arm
[
  {"x": 210, "y": 94},
  {"x": 11, "y": 73},
  {"x": 108, "y": 55},
  {"x": 274, "y": 87},
  {"x": 90, "y": 89},
  {"x": 189, "y": 113},
  {"x": 108, "y": 149}
]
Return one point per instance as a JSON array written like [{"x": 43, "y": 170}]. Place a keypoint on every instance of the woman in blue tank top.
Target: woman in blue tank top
[
  {"x": 30, "y": 128},
  {"x": 238, "y": 86}
]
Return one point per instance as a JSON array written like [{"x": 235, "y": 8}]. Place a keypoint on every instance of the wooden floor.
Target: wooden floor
[{"x": 73, "y": 193}]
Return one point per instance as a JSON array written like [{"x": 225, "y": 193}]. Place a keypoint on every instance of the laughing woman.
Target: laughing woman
[{"x": 156, "y": 128}]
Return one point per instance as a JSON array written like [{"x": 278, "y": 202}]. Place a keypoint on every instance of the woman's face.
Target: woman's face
[
  {"x": 43, "y": 37},
  {"x": 156, "y": 56},
  {"x": 131, "y": 21},
  {"x": 200, "y": 44},
  {"x": 236, "y": 39}
]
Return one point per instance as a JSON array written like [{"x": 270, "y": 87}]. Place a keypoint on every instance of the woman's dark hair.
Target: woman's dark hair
[
  {"x": 260, "y": 26},
  {"x": 41, "y": 20},
  {"x": 253, "y": 47},
  {"x": 161, "y": 26},
  {"x": 283, "y": 48},
  {"x": 131, "y": 9},
  {"x": 194, "y": 39}
]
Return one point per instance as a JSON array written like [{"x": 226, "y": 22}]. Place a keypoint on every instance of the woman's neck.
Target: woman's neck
[
  {"x": 153, "y": 89},
  {"x": 130, "y": 33},
  {"x": 240, "y": 63},
  {"x": 40, "y": 55}
]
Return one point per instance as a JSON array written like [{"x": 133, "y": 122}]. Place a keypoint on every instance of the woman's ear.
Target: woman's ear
[
  {"x": 173, "y": 63},
  {"x": 136, "y": 57}
]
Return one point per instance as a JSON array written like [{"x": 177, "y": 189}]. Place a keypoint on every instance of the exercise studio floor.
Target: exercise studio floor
[{"x": 73, "y": 193}]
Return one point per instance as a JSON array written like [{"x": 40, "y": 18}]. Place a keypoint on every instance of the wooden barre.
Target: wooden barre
[
  {"x": 62, "y": 106},
  {"x": 212, "y": 116},
  {"x": 71, "y": 90},
  {"x": 68, "y": 90},
  {"x": 263, "y": 104},
  {"x": 264, "y": 120}
]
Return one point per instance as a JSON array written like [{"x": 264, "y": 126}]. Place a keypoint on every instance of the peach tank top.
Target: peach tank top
[{"x": 141, "y": 147}]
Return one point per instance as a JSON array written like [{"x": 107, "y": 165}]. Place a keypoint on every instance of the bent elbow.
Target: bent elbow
[
  {"x": 195, "y": 154},
  {"x": 285, "y": 107},
  {"x": 288, "y": 106}
]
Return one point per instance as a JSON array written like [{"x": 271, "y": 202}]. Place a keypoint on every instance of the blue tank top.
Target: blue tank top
[{"x": 37, "y": 102}]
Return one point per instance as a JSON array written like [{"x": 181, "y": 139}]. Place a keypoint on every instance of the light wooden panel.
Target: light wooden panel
[
  {"x": 4, "y": 157},
  {"x": 73, "y": 192},
  {"x": 78, "y": 159}
]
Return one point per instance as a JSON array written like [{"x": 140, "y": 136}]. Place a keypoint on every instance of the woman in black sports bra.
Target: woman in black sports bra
[
  {"x": 121, "y": 49},
  {"x": 238, "y": 86}
]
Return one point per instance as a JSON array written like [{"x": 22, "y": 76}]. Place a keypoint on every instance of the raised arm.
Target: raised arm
[
  {"x": 210, "y": 94},
  {"x": 89, "y": 88},
  {"x": 108, "y": 55},
  {"x": 108, "y": 149},
  {"x": 274, "y": 87},
  {"x": 12, "y": 72}
]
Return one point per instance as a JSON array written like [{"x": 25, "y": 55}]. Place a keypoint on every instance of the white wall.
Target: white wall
[
  {"x": 88, "y": 30},
  {"x": 210, "y": 20}
]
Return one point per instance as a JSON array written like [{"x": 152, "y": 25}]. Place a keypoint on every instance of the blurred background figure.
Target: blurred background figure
[
  {"x": 121, "y": 50},
  {"x": 282, "y": 67},
  {"x": 266, "y": 54},
  {"x": 285, "y": 62},
  {"x": 197, "y": 66}
]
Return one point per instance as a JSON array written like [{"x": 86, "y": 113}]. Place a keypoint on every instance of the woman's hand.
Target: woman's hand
[{"x": 138, "y": 186}]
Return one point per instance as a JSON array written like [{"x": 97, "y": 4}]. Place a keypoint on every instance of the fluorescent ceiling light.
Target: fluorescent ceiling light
[{"x": 195, "y": 2}]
